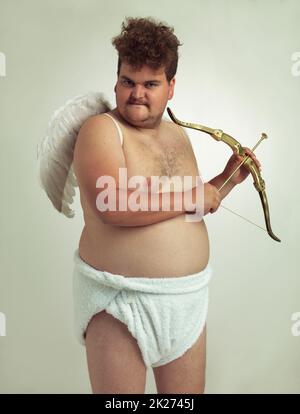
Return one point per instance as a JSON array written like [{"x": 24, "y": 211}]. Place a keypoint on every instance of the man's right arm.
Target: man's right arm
[
  {"x": 98, "y": 152},
  {"x": 147, "y": 216}
]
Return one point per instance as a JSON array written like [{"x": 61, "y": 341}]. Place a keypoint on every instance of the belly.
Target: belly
[{"x": 169, "y": 248}]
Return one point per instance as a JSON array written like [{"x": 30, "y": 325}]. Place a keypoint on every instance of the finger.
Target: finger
[{"x": 251, "y": 154}]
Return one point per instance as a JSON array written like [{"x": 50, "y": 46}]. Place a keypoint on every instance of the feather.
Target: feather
[{"x": 55, "y": 150}]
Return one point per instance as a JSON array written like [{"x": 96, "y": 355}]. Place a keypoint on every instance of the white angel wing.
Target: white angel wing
[{"x": 55, "y": 150}]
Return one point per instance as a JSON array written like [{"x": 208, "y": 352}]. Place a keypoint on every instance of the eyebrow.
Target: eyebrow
[{"x": 151, "y": 80}]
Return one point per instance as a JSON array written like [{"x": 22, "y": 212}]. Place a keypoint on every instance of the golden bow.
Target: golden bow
[{"x": 259, "y": 183}]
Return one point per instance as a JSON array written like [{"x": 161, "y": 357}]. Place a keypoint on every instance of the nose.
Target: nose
[{"x": 138, "y": 92}]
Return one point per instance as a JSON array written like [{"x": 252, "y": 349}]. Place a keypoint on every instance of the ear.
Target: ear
[{"x": 171, "y": 88}]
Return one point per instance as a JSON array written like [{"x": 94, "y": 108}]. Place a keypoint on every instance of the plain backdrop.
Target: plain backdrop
[{"x": 236, "y": 72}]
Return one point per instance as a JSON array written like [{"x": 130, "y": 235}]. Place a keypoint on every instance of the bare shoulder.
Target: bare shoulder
[
  {"x": 95, "y": 122},
  {"x": 180, "y": 131},
  {"x": 171, "y": 125},
  {"x": 98, "y": 138},
  {"x": 97, "y": 129}
]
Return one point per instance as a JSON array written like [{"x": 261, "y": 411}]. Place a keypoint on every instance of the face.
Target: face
[{"x": 142, "y": 95}]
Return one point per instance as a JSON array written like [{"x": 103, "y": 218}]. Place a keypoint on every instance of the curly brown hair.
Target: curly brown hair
[{"x": 145, "y": 41}]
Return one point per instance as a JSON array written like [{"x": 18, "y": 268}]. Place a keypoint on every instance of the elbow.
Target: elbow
[
  {"x": 100, "y": 210},
  {"x": 115, "y": 218},
  {"x": 109, "y": 217},
  {"x": 105, "y": 217}
]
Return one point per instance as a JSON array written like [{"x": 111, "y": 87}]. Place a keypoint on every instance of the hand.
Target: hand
[
  {"x": 212, "y": 198},
  {"x": 242, "y": 173},
  {"x": 209, "y": 201}
]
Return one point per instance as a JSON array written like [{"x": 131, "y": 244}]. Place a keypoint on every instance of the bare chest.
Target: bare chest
[{"x": 169, "y": 155}]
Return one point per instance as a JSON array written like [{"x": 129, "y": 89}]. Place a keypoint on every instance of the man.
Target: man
[{"x": 155, "y": 314}]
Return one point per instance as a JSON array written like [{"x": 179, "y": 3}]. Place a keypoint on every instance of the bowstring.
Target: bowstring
[{"x": 244, "y": 218}]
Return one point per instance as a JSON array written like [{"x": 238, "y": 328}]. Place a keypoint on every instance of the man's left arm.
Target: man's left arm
[{"x": 219, "y": 179}]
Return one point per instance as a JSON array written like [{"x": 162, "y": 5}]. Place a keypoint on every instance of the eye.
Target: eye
[
  {"x": 127, "y": 82},
  {"x": 151, "y": 84}
]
